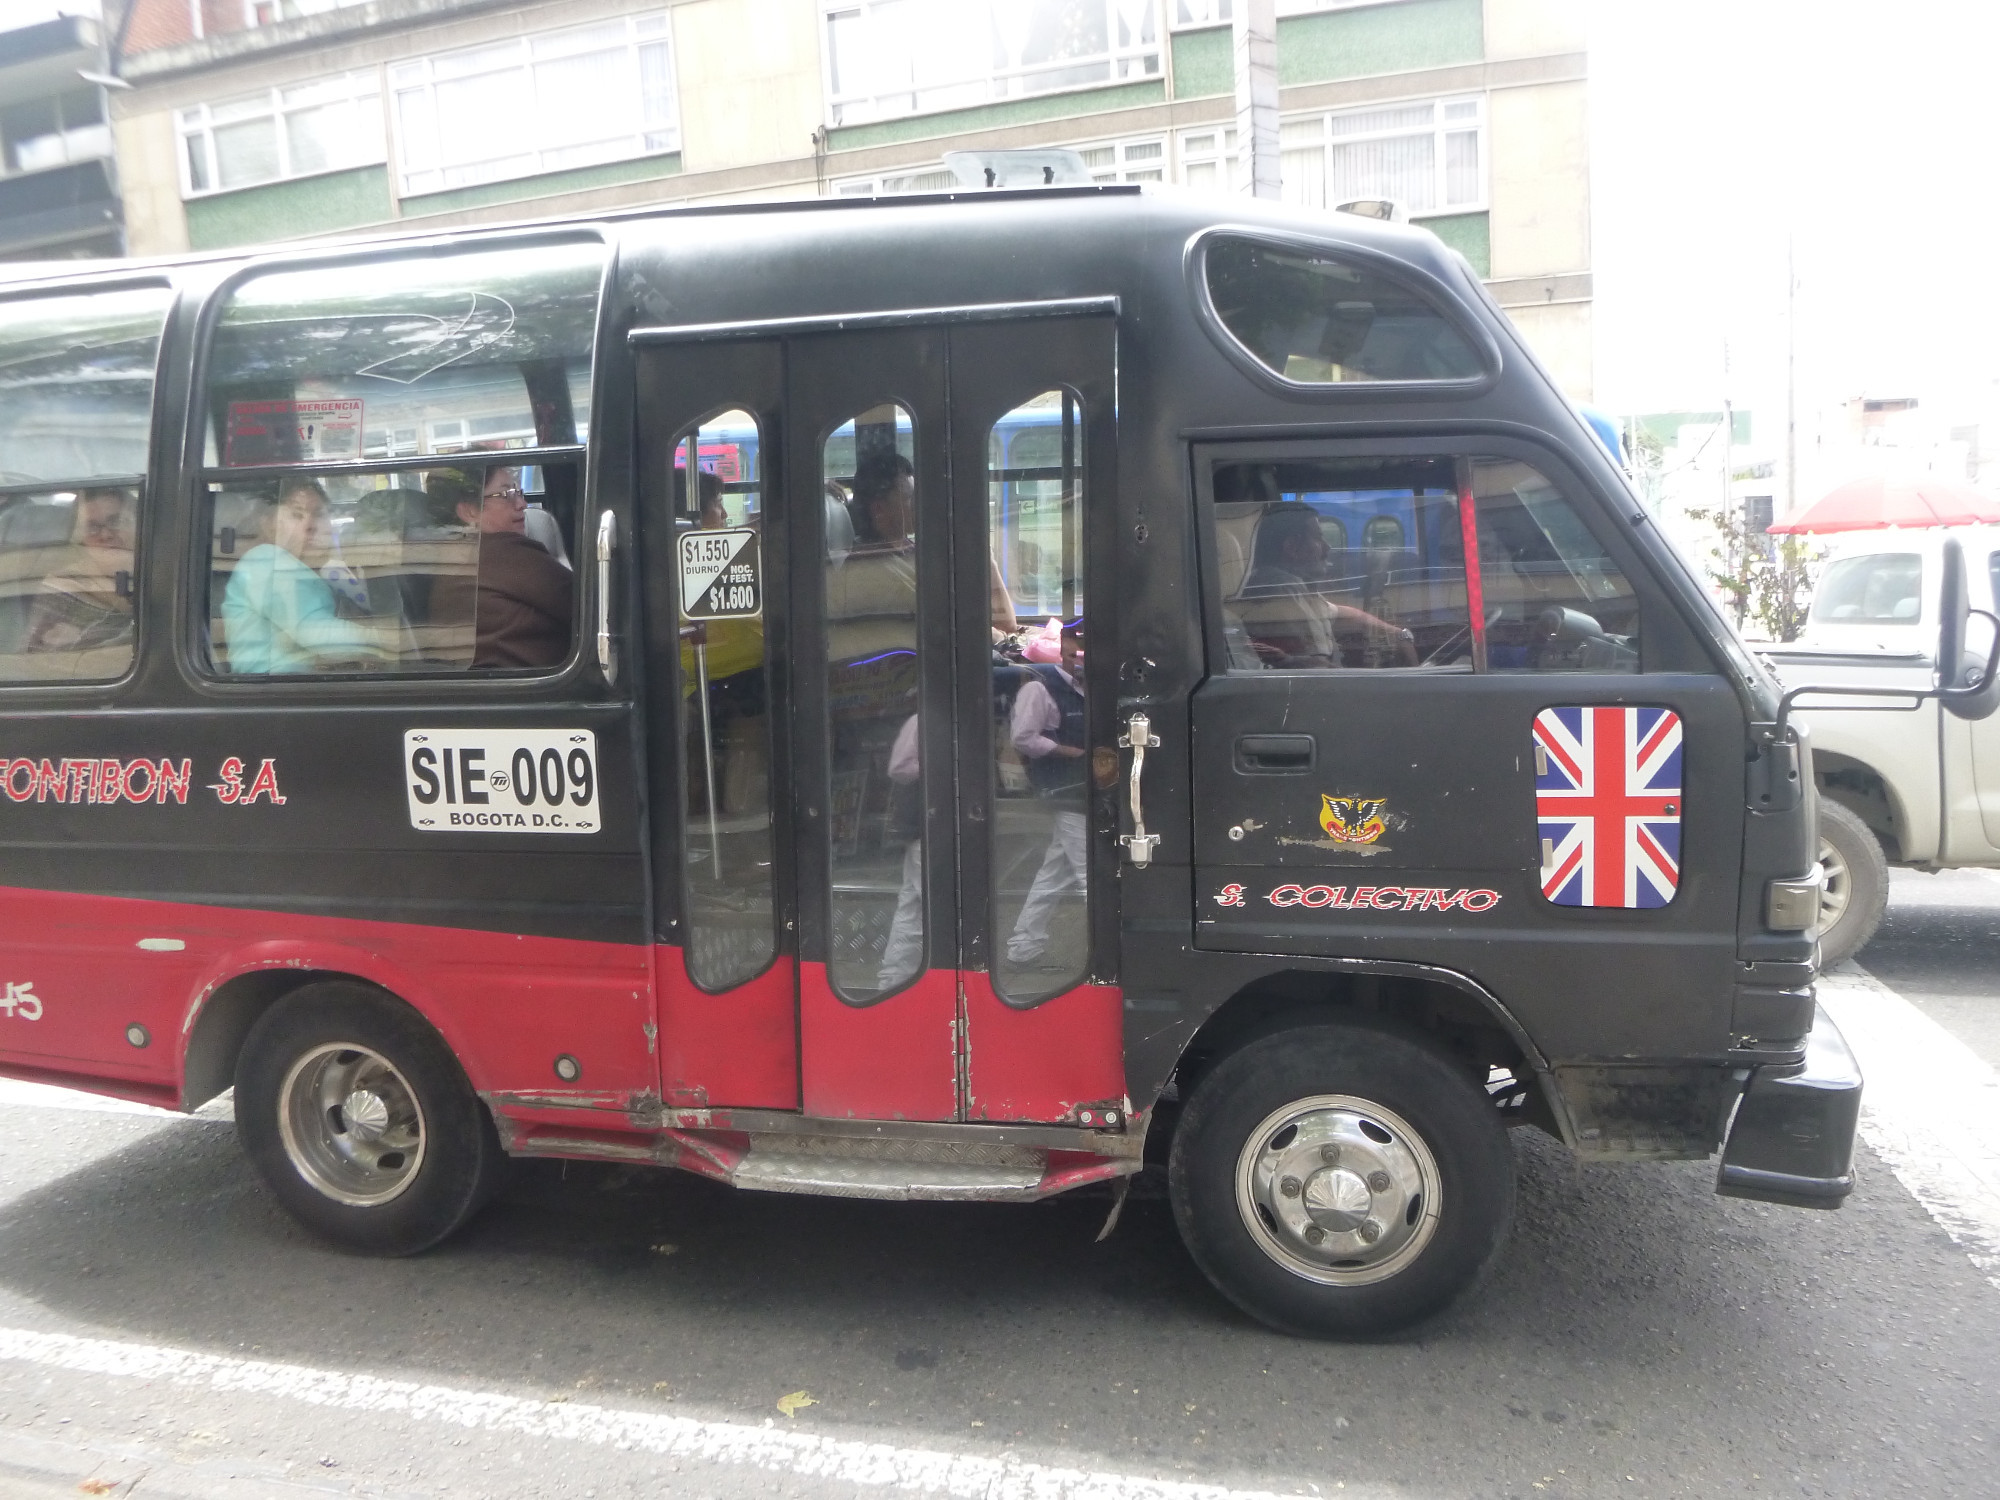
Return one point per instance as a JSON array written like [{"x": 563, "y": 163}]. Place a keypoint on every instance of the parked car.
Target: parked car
[{"x": 1898, "y": 785}]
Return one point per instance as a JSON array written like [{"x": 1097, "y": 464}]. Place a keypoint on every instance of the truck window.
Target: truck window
[
  {"x": 873, "y": 727},
  {"x": 1883, "y": 588},
  {"x": 1550, "y": 597},
  {"x": 1035, "y": 501},
  {"x": 466, "y": 380},
  {"x": 76, "y": 402},
  {"x": 1316, "y": 319}
]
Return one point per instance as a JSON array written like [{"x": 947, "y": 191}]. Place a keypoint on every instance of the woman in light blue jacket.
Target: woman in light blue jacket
[{"x": 278, "y": 613}]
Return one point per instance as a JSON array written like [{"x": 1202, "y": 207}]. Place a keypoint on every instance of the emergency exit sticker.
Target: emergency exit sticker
[
  {"x": 721, "y": 575},
  {"x": 501, "y": 780}
]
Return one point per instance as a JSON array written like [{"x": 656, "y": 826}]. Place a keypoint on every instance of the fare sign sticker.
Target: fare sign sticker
[{"x": 721, "y": 575}]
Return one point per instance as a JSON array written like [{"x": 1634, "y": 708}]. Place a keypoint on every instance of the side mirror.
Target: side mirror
[{"x": 1966, "y": 693}]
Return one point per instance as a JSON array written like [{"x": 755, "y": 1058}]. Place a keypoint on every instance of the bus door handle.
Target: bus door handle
[
  {"x": 607, "y": 536},
  {"x": 1139, "y": 738}
]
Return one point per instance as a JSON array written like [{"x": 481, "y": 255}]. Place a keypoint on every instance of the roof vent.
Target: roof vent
[
  {"x": 1386, "y": 209},
  {"x": 1018, "y": 169}
]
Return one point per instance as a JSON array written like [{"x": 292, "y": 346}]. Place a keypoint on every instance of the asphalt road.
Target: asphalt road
[{"x": 166, "y": 1331}]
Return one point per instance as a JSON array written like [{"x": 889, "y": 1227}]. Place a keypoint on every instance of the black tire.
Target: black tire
[
  {"x": 360, "y": 1120},
  {"x": 1857, "y": 890},
  {"x": 1353, "y": 1076}
]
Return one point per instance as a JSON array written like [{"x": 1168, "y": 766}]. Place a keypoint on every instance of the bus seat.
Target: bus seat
[
  {"x": 546, "y": 531},
  {"x": 839, "y": 523},
  {"x": 1235, "y": 543}
]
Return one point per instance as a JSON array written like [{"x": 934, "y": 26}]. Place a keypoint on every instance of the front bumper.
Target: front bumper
[{"x": 1792, "y": 1138}]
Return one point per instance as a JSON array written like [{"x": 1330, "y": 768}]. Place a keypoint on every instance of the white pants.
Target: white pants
[
  {"x": 903, "y": 954},
  {"x": 1062, "y": 871}
]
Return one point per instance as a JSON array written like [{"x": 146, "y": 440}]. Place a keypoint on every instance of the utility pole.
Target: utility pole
[{"x": 1253, "y": 30}]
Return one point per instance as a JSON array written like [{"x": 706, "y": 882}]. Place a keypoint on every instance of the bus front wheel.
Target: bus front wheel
[
  {"x": 1339, "y": 1181},
  {"x": 360, "y": 1120}
]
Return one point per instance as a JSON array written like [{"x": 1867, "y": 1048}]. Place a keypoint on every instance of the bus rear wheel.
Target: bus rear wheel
[
  {"x": 1339, "y": 1181},
  {"x": 360, "y": 1120}
]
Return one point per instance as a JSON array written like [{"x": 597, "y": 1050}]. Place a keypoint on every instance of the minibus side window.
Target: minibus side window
[
  {"x": 1550, "y": 597},
  {"x": 873, "y": 723},
  {"x": 76, "y": 397},
  {"x": 1034, "y": 498},
  {"x": 725, "y": 724},
  {"x": 1316, "y": 319},
  {"x": 366, "y": 512}
]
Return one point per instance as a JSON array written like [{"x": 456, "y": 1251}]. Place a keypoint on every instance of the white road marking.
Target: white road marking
[
  {"x": 730, "y": 1444},
  {"x": 48, "y": 1096},
  {"x": 1930, "y": 1107}
]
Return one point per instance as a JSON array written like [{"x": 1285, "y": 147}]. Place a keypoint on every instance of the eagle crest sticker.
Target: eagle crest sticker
[{"x": 1353, "y": 820}]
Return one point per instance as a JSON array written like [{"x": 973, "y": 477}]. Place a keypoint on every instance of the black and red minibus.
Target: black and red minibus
[{"x": 948, "y": 697}]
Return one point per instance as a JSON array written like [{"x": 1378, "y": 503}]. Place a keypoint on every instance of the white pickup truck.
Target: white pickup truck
[{"x": 1898, "y": 785}]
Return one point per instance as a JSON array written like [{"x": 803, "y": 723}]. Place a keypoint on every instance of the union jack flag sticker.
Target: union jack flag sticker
[{"x": 1608, "y": 802}]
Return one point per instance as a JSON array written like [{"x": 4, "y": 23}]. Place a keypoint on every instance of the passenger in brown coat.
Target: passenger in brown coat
[{"x": 523, "y": 609}]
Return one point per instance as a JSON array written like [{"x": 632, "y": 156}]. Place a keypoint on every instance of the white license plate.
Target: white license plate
[{"x": 501, "y": 780}]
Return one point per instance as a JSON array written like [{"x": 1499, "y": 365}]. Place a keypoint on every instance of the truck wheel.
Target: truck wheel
[
  {"x": 1857, "y": 883},
  {"x": 358, "y": 1117},
  {"x": 1340, "y": 1181}
]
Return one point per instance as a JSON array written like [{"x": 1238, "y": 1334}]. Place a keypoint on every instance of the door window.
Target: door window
[
  {"x": 725, "y": 724},
  {"x": 1034, "y": 496},
  {"x": 1541, "y": 594},
  {"x": 876, "y": 793}
]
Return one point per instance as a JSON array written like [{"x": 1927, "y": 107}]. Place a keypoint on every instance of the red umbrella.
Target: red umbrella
[{"x": 1872, "y": 504}]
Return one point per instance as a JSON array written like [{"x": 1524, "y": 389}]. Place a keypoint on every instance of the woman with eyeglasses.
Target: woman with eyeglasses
[{"x": 522, "y": 596}]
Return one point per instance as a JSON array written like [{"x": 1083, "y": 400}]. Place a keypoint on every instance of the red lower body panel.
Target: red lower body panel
[
  {"x": 893, "y": 1060},
  {"x": 96, "y": 967},
  {"x": 739, "y": 1048},
  {"x": 1047, "y": 1062}
]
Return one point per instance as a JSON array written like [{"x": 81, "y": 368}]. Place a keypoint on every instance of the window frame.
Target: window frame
[
  {"x": 1591, "y": 507},
  {"x": 426, "y": 65},
  {"x": 149, "y": 493},
  {"x": 1112, "y": 57},
  {"x": 1426, "y": 288},
  {"x": 1440, "y": 128},
  {"x": 196, "y": 474},
  {"x": 203, "y": 129}
]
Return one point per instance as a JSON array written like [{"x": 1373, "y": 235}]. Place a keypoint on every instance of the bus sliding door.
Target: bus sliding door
[{"x": 884, "y": 851}]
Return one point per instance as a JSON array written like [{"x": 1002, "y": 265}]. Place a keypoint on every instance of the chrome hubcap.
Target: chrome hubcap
[
  {"x": 351, "y": 1124},
  {"x": 1836, "y": 887},
  {"x": 1338, "y": 1190}
]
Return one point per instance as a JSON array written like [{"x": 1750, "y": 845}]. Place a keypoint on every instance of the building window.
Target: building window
[
  {"x": 887, "y": 58},
  {"x": 54, "y": 131},
  {"x": 916, "y": 180},
  {"x": 1208, "y": 157},
  {"x": 325, "y": 126},
  {"x": 1427, "y": 156},
  {"x": 542, "y": 103},
  {"x": 1140, "y": 160}
]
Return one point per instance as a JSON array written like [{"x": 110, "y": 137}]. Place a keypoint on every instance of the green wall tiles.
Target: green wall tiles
[
  {"x": 1203, "y": 63},
  {"x": 545, "y": 185},
  {"x": 1379, "y": 39},
  {"x": 286, "y": 210},
  {"x": 1468, "y": 234}
]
